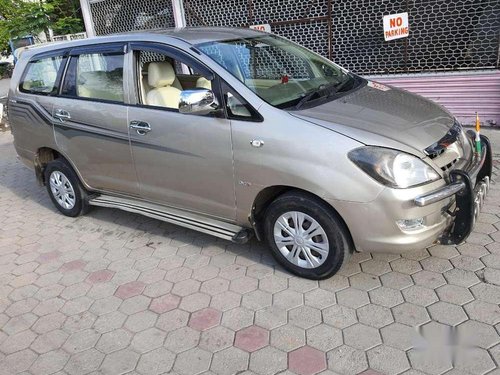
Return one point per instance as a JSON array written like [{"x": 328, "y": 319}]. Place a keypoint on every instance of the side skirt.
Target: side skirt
[{"x": 185, "y": 219}]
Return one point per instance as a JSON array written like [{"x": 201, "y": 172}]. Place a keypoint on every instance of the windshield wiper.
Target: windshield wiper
[{"x": 328, "y": 91}]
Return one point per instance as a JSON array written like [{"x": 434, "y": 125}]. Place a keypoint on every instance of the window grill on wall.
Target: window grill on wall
[{"x": 445, "y": 35}]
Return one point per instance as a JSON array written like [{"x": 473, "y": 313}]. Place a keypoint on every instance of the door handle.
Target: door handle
[
  {"x": 62, "y": 115},
  {"x": 141, "y": 127}
]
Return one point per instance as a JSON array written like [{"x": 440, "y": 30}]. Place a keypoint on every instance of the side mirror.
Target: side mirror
[{"x": 197, "y": 102}]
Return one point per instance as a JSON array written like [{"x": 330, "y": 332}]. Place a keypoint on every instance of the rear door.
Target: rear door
[{"x": 90, "y": 118}]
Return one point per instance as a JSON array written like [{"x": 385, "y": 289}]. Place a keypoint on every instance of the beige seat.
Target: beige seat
[
  {"x": 204, "y": 83},
  {"x": 161, "y": 76}
]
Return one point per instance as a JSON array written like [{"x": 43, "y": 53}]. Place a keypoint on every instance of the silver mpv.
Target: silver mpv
[{"x": 235, "y": 132}]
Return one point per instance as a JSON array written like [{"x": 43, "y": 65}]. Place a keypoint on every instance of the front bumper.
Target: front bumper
[
  {"x": 448, "y": 212},
  {"x": 469, "y": 187}
]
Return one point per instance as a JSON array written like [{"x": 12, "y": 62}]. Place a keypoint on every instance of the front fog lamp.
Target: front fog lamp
[
  {"x": 410, "y": 224},
  {"x": 393, "y": 168}
]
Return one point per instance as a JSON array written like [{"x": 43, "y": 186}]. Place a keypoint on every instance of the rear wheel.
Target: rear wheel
[
  {"x": 306, "y": 236},
  {"x": 64, "y": 188}
]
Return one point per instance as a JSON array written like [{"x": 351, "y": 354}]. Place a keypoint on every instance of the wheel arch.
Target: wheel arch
[
  {"x": 267, "y": 195},
  {"x": 43, "y": 156}
]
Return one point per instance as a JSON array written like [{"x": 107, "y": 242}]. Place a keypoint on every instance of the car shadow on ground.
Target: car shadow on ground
[{"x": 111, "y": 223}]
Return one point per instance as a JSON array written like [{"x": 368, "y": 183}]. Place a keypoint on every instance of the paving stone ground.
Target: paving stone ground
[{"x": 118, "y": 293}]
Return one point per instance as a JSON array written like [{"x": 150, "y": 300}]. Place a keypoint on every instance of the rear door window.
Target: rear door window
[
  {"x": 41, "y": 76},
  {"x": 95, "y": 76}
]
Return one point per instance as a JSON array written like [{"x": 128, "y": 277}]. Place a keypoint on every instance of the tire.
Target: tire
[
  {"x": 60, "y": 176},
  {"x": 314, "y": 217}
]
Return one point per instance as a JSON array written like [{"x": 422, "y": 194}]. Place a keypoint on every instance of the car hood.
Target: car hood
[{"x": 382, "y": 115}]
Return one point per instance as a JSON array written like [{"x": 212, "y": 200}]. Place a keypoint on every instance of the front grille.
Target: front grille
[{"x": 452, "y": 151}]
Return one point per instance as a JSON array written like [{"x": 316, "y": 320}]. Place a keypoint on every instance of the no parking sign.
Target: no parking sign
[{"x": 396, "y": 26}]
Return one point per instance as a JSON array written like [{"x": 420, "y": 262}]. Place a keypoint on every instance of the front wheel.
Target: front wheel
[
  {"x": 306, "y": 236},
  {"x": 64, "y": 188}
]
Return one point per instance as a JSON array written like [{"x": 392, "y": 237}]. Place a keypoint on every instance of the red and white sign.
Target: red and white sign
[
  {"x": 396, "y": 26},
  {"x": 265, "y": 27}
]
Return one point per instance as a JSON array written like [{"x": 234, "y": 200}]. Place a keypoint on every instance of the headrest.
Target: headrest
[
  {"x": 203, "y": 83},
  {"x": 160, "y": 74}
]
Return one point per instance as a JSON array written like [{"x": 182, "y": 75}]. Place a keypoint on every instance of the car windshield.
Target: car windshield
[{"x": 282, "y": 73}]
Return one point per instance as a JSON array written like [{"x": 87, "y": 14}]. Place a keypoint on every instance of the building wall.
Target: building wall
[{"x": 461, "y": 93}]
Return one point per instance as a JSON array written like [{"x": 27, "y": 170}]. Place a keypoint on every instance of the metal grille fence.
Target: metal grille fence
[
  {"x": 444, "y": 35},
  {"x": 116, "y": 16}
]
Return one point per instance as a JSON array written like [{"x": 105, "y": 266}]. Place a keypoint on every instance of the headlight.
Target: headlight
[{"x": 393, "y": 168}]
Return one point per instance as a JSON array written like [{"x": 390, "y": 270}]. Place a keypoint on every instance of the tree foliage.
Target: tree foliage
[{"x": 19, "y": 18}]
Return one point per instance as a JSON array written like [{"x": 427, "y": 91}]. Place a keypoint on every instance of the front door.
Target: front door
[
  {"x": 184, "y": 161},
  {"x": 90, "y": 119}
]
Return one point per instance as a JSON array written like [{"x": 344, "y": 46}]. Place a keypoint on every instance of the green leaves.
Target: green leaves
[{"x": 19, "y": 18}]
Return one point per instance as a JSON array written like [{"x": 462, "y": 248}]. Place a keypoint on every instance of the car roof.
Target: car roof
[{"x": 191, "y": 35}]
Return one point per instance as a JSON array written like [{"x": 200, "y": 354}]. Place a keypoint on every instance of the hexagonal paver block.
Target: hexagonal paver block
[
  {"x": 172, "y": 320},
  {"x": 431, "y": 361},
  {"x": 375, "y": 316},
  {"x": 399, "y": 336},
  {"x": 81, "y": 340},
  {"x": 120, "y": 362},
  {"x": 376, "y": 267},
  {"x": 237, "y": 318},
  {"x": 320, "y": 298},
  {"x": 155, "y": 362},
  {"x": 141, "y": 321},
  {"x": 114, "y": 341},
  {"x": 306, "y": 361},
  {"x": 268, "y": 361},
  {"x": 216, "y": 339},
  {"x": 324, "y": 337},
  {"x": 454, "y": 294},
  {"x": 288, "y": 299},
  {"x": 396, "y": 280},
  {"x": 339, "y": 316},
  {"x": 353, "y": 298},
  {"x": 429, "y": 279},
  {"x": 182, "y": 339},
  {"x": 388, "y": 360},
  {"x": 362, "y": 337},
  {"x": 205, "y": 319},
  {"x": 447, "y": 313},
  {"x": 304, "y": 316},
  {"x": 164, "y": 303},
  {"x": 194, "y": 302},
  {"x": 84, "y": 362},
  {"x": 475, "y": 361},
  {"x": 410, "y": 314},
  {"x": 148, "y": 339},
  {"x": 130, "y": 289},
  {"x": 50, "y": 362},
  {"x": 364, "y": 281},
  {"x": 271, "y": 317},
  {"x": 482, "y": 311},
  {"x": 270, "y": 284},
  {"x": 473, "y": 333},
  {"x": 288, "y": 338},
  {"x": 230, "y": 361},
  {"x": 251, "y": 338},
  {"x": 347, "y": 360},
  {"x": 419, "y": 295},
  {"x": 192, "y": 362},
  {"x": 256, "y": 300},
  {"x": 102, "y": 276}
]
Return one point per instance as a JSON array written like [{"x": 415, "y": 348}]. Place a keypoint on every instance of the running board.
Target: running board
[{"x": 185, "y": 219}]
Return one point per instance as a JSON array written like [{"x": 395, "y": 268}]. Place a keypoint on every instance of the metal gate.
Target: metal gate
[{"x": 444, "y": 35}]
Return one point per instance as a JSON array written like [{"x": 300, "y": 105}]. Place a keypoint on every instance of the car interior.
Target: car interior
[{"x": 162, "y": 79}]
